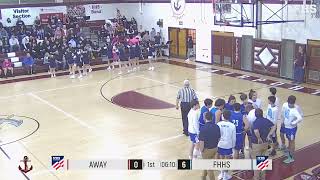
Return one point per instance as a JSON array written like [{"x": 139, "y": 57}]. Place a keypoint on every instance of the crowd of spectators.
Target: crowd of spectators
[{"x": 58, "y": 37}]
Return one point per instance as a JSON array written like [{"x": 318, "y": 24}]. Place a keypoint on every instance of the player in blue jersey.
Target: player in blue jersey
[
  {"x": 272, "y": 115},
  {"x": 231, "y": 101},
  {"x": 244, "y": 100},
  {"x": 206, "y": 108},
  {"x": 241, "y": 123},
  {"x": 217, "y": 110}
]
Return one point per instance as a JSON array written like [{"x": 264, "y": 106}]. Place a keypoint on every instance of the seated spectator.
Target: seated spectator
[
  {"x": 133, "y": 41},
  {"x": 65, "y": 31},
  {"x": 72, "y": 43},
  {"x": 28, "y": 63},
  {"x": 14, "y": 44},
  {"x": 1, "y": 47},
  {"x": 58, "y": 33},
  {"x": 3, "y": 33},
  {"x": 7, "y": 65},
  {"x": 146, "y": 37},
  {"x": 96, "y": 50}
]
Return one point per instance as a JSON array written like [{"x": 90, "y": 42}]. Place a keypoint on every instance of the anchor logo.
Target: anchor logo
[
  {"x": 26, "y": 168},
  {"x": 178, "y": 7}
]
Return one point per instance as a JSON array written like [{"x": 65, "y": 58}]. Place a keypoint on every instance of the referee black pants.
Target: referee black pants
[{"x": 185, "y": 108}]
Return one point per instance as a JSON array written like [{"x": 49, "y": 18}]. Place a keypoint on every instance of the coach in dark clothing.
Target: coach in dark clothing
[
  {"x": 209, "y": 138},
  {"x": 299, "y": 66},
  {"x": 262, "y": 131},
  {"x": 184, "y": 97}
]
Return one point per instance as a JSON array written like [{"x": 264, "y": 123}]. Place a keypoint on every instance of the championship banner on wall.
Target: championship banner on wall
[{"x": 76, "y": 11}]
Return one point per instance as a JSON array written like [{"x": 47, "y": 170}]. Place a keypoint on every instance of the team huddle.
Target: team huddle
[{"x": 220, "y": 130}]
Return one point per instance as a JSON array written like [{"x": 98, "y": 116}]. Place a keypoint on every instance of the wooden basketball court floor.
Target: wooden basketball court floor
[{"x": 77, "y": 119}]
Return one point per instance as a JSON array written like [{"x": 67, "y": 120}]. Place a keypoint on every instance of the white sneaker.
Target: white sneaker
[
  {"x": 227, "y": 176},
  {"x": 134, "y": 69},
  {"x": 72, "y": 76},
  {"x": 80, "y": 76},
  {"x": 51, "y": 75},
  {"x": 54, "y": 75},
  {"x": 70, "y": 73},
  {"x": 129, "y": 71},
  {"x": 109, "y": 68},
  {"x": 152, "y": 68},
  {"x": 90, "y": 70},
  {"x": 187, "y": 60},
  {"x": 120, "y": 73}
]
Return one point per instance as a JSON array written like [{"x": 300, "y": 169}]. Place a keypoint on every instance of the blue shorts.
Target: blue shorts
[
  {"x": 282, "y": 129},
  {"x": 225, "y": 152},
  {"x": 194, "y": 138},
  {"x": 291, "y": 133},
  {"x": 239, "y": 142}
]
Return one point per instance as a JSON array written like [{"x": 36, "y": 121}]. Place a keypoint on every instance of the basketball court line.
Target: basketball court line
[{"x": 60, "y": 88}]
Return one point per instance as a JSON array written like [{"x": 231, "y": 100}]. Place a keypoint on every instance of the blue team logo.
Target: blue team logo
[
  {"x": 270, "y": 112},
  {"x": 286, "y": 113},
  {"x": 262, "y": 162},
  {"x": 57, "y": 162}
]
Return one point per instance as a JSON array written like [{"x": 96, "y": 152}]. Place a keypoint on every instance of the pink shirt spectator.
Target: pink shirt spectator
[
  {"x": 6, "y": 64},
  {"x": 134, "y": 41}
]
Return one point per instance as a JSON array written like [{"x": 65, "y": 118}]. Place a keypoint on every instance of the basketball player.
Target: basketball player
[
  {"x": 206, "y": 108},
  {"x": 70, "y": 59},
  {"x": 253, "y": 98},
  {"x": 151, "y": 56},
  {"x": 244, "y": 100},
  {"x": 272, "y": 115},
  {"x": 251, "y": 117},
  {"x": 78, "y": 61},
  {"x": 86, "y": 61},
  {"x": 217, "y": 110},
  {"x": 193, "y": 128},
  {"x": 138, "y": 56},
  {"x": 241, "y": 123},
  {"x": 132, "y": 60},
  {"x": 52, "y": 65},
  {"x": 273, "y": 92},
  {"x": 231, "y": 102},
  {"x": 291, "y": 118},
  {"x": 227, "y": 141}
]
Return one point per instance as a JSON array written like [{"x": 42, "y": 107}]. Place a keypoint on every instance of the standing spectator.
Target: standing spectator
[
  {"x": 19, "y": 23},
  {"x": 209, "y": 138},
  {"x": 262, "y": 131},
  {"x": 157, "y": 39},
  {"x": 25, "y": 43},
  {"x": 299, "y": 66},
  {"x": 153, "y": 33},
  {"x": 184, "y": 97},
  {"x": 14, "y": 44},
  {"x": 6, "y": 46},
  {"x": 190, "y": 47},
  {"x": 7, "y": 65},
  {"x": 28, "y": 62},
  {"x": 64, "y": 31},
  {"x": 37, "y": 22}
]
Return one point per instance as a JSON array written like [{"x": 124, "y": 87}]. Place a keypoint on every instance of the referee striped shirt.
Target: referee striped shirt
[{"x": 186, "y": 94}]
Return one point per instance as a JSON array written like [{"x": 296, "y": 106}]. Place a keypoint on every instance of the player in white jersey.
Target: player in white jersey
[
  {"x": 254, "y": 100},
  {"x": 290, "y": 119},
  {"x": 193, "y": 128},
  {"x": 227, "y": 141},
  {"x": 272, "y": 115},
  {"x": 282, "y": 128},
  {"x": 273, "y": 92}
]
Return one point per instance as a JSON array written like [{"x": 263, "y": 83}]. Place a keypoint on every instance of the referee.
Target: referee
[{"x": 184, "y": 97}]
